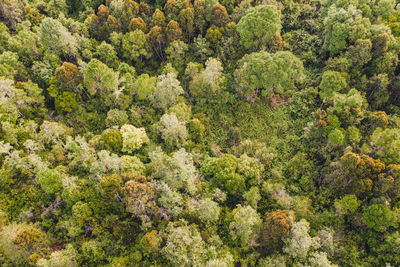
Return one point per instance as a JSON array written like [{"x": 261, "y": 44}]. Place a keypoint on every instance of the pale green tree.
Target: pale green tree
[
  {"x": 97, "y": 77},
  {"x": 245, "y": 226},
  {"x": 184, "y": 245},
  {"x": 167, "y": 91},
  {"x": 133, "y": 138},
  {"x": 172, "y": 130},
  {"x": 57, "y": 38}
]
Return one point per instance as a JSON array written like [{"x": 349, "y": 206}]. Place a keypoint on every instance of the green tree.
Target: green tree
[
  {"x": 347, "y": 205},
  {"x": 134, "y": 45},
  {"x": 98, "y": 78},
  {"x": 245, "y": 226},
  {"x": 379, "y": 217},
  {"x": 388, "y": 143},
  {"x": 50, "y": 181},
  {"x": 258, "y": 25},
  {"x": 342, "y": 26},
  {"x": 223, "y": 173},
  {"x": 111, "y": 140},
  {"x": 267, "y": 73},
  {"x": 145, "y": 86},
  {"x": 331, "y": 83}
]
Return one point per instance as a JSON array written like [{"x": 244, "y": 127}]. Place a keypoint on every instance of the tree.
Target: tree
[
  {"x": 167, "y": 91},
  {"x": 379, "y": 217},
  {"x": 208, "y": 81},
  {"x": 172, "y": 130},
  {"x": 171, "y": 9},
  {"x": 208, "y": 210},
  {"x": 245, "y": 226},
  {"x": 65, "y": 87},
  {"x": 98, "y": 78},
  {"x": 106, "y": 53},
  {"x": 111, "y": 184},
  {"x": 250, "y": 168},
  {"x": 214, "y": 36},
  {"x": 145, "y": 86},
  {"x": 331, "y": 83},
  {"x": 258, "y": 25},
  {"x": 134, "y": 45},
  {"x": 173, "y": 32},
  {"x": 380, "y": 44},
  {"x": 50, "y": 181},
  {"x": 151, "y": 242},
  {"x": 177, "y": 54},
  {"x": 66, "y": 257},
  {"x": 388, "y": 143},
  {"x": 200, "y": 10},
  {"x": 343, "y": 26},
  {"x": 56, "y": 37},
  {"x": 116, "y": 117},
  {"x": 92, "y": 251},
  {"x": 360, "y": 54},
  {"x": 356, "y": 174},
  {"x": 377, "y": 89},
  {"x": 102, "y": 24},
  {"x": 82, "y": 213},
  {"x": 347, "y": 205},
  {"x": 12, "y": 12},
  {"x": 111, "y": 140},
  {"x": 177, "y": 171},
  {"x": 138, "y": 196},
  {"x": 184, "y": 245},
  {"x": 223, "y": 173},
  {"x": 23, "y": 244},
  {"x": 137, "y": 24},
  {"x": 156, "y": 38},
  {"x": 132, "y": 138},
  {"x": 68, "y": 76},
  {"x": 298, "y": 243},
  {"x": 132, "y": 165},
  {"x": 158, "y": 19},
  {"x": 276, "y": 225},
  {"x": 186, "y": 19},
  {"x": 267, "y": 73},
  {"x": 219, "y": 15}
]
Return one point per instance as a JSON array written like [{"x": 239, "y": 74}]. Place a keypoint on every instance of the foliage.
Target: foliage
[
  {"x": 258, "y": 25},
  {"x": 199, "y": 133},
  {"x": 133, "y": 138}
]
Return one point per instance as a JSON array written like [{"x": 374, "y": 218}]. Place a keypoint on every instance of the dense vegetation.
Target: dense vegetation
[{"x": 199, "y": 133}]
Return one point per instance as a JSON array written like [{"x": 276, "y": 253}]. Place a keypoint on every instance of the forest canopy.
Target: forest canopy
[{"x": 199, "y": 133}]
